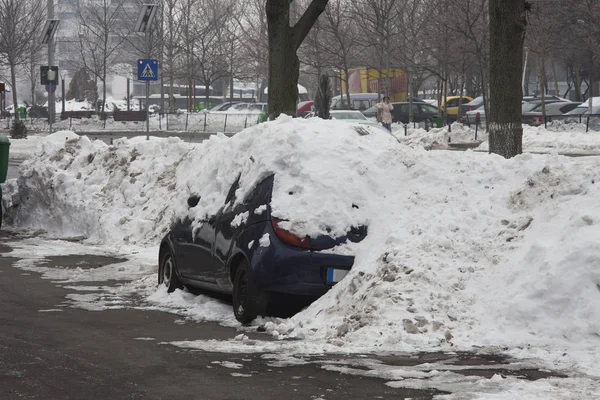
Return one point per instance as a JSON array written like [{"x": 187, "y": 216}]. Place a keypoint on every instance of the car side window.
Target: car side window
[
  {"x": 404, "y": 108},
  {"x": 261, "y": 194},
  {"x": 428, "y": 108},
  {"x": 453, "y": 103},
  {"x": 231, "y": 194}
]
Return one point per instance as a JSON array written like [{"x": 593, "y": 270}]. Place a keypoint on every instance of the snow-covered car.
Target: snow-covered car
[
  {"x": 247, "y": 244},
  {"x": 250, "y": 257}
]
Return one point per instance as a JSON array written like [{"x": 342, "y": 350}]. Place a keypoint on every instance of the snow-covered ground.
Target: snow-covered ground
[{"x": 465, "y": 251}]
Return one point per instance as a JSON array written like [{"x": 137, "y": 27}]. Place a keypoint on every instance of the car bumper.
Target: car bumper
[{"x": 286, "y": 269}]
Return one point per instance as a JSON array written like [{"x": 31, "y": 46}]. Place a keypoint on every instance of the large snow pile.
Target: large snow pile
[{"x": 464, "y": 249}]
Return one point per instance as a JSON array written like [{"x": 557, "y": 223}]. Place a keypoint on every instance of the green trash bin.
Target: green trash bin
[
  {"x": 22, "y": 112},
  {"x": 4, "y": 147},
  {"x": 437, "y": 121}
]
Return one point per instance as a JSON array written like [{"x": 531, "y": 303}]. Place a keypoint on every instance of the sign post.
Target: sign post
[
  {"x": 147, "y": 68},
  {"x": 51, "y": 72},
  {"x": 147, "y": 71}
]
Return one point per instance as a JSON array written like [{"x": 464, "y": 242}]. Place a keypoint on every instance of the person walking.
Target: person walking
[{"x": 385, "y": 111}]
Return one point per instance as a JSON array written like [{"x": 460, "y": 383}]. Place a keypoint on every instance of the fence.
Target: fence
[
  {"x": 591, "y": 121},
  {"x": 205, "y": 122}
]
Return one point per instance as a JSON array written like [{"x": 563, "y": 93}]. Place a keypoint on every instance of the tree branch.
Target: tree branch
[{"x": 308, "y": 19}]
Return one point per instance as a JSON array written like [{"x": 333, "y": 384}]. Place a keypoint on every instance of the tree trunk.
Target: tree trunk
[
  {"x": 13, "y": 84},
  {"x": 507, "y": 32},
  {"x": 284, "y": 65},
  {"x": 554, "y": 76},
  {"x": 577, "y": 84},
  {"x": 207, "y": 95},
  {"x": 347, "y": 84},
  {"x": 284, "y": 41}
]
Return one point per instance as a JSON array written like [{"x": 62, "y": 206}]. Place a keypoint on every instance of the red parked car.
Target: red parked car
[{"x": 304, "y": 107}]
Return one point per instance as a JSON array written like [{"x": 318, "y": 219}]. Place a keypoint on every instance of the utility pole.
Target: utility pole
[
  {"x": 147, "y": 34},
  {"x": 51, "y": 101}
]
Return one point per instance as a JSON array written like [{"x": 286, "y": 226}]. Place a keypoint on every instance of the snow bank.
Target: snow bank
[
  {"x": 464, "y": 249},
  {"x": 419, "y": 136}
]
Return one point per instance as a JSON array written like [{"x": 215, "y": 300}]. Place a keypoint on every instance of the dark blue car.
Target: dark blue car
[{"x": 252, "y": 259}]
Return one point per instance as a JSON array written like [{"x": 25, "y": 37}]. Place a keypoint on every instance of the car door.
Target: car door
[
  {"x": 234, "y": 220},
  {"x": 400, "y": 113},
  {"x": 427, "y": 111},
  {"x": 195, "y": 243},
  {"x": 206, "y": 240}
]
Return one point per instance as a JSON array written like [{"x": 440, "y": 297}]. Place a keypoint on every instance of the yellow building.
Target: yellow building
[{"x": 374, "y": 80}]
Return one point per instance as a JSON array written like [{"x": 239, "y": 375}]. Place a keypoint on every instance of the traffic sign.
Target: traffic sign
[
  {"x": 147, "y": 70},
  {"x": 49, "y": 75},
  {"x": 50, "y": 88}
]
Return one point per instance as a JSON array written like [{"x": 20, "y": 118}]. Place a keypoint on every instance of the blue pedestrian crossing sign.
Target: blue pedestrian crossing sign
[{"x": 147, "y": 69}]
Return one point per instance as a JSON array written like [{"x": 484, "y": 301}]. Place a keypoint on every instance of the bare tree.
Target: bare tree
[
  {"x": 101, "y": 37},
  {"x": 252, "y": 21},
  {"x": 34, "y": 59},
  {"x": 284, "y": 41},
  {"x": 507, "y": 34},
  {"x": 541, "y": 38},
  {"x": 18, "y": 29},
  {"x": 173, "y": 30},
  {"x": 204, "y": 43},
  {"x": 338, "y": 40},
  {"x": 380, "y": 29}
]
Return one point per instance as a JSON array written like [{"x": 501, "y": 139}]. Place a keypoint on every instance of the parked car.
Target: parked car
[
  {"x": 546, "y": 97},
  {"x": 583, "y": 109},
  {"x": 249, "y": 108},
  {"x": 258, "y": 107},
  {"x": 471, "y": 105},
  {"x": 535, "y": 116},
  {"x": 471, "y": 117},
  {"x": 304, "y": 107},
  {"x": 359, "y": 101},
  {"x": 225, "y": 255},
  {"x": 450, "y": 107},
  {"x": 421, "y": 112},
  {"x": 224, "y": 106}
]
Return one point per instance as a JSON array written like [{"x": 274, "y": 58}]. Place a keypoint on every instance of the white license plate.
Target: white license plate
[{"x": 335, "y": 275}]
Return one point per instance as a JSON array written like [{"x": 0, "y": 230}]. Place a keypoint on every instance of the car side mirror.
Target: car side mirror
[{"x": 193, "y": 200}]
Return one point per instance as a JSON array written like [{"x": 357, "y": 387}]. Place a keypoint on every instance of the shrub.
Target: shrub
[
  {"x": 18, "y": 130},
  {"x": 323, "y": 98}
]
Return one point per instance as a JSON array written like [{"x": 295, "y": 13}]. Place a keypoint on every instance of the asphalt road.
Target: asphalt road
[{"x": 78, "y": 354}]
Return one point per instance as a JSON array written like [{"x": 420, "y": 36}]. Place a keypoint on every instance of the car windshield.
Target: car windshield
[{"x": 347, "y": 115}]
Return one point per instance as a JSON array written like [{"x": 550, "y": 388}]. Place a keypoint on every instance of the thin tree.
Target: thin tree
[
  {"x": 101, "y": 37},
  {"x": 20, "y": 24},
  {"x": 284, "y": 41},
  {"x": 507, "y": 33}
]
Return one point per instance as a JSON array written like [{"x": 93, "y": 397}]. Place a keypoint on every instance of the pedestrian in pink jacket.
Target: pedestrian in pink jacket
[{"x": 385, "y": 110}]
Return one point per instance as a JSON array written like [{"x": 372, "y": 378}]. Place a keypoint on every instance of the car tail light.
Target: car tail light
[{"x": 288, "y": 237}]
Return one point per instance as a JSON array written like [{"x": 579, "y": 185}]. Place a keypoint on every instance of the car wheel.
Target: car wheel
[
  {"x": 167, "y": 272},
  {"x": 249, "y": 301}
]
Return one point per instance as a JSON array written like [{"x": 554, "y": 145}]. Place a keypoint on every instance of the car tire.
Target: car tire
[
  {"x": 249, "y": 301},
  {"x": 167, "y": 272}
]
